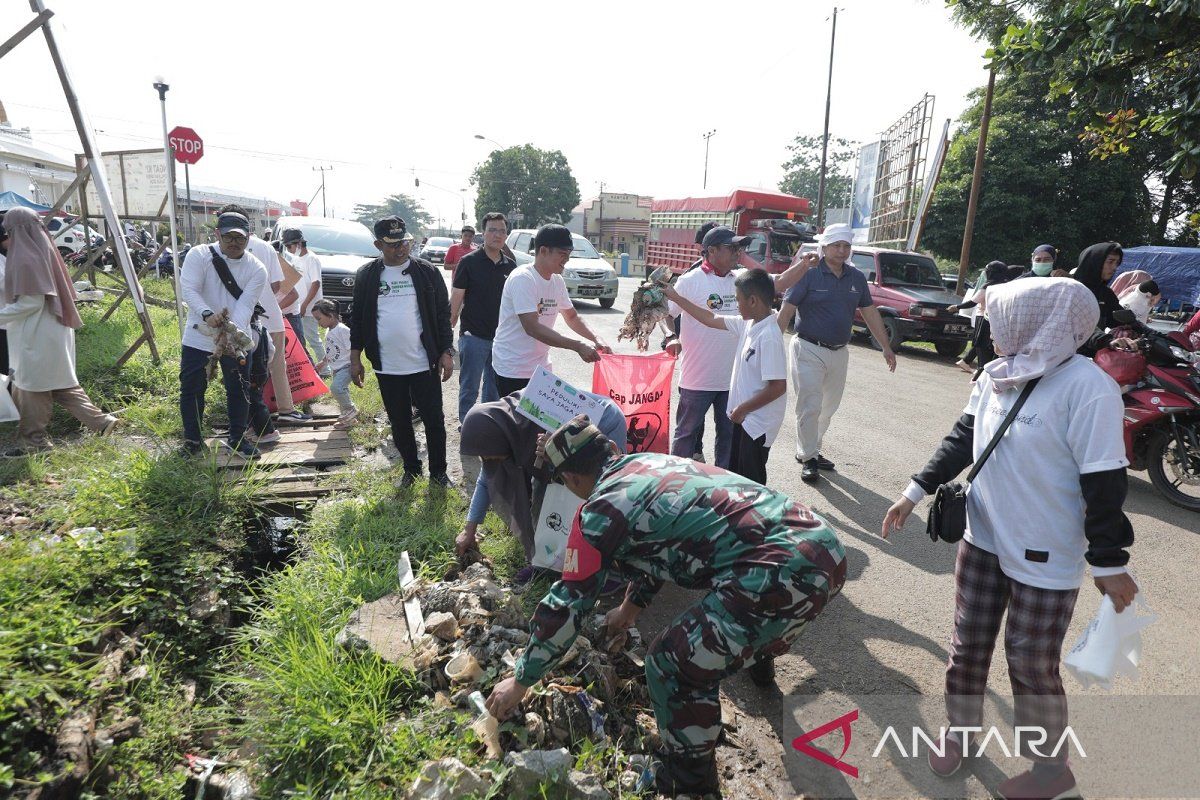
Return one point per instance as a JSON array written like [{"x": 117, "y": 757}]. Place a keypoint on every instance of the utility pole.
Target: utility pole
[
  {"x": 825, "y": 137},
  {"x": 706, "y": 137},
  {"x": 323, "y": 170},
  {"x": 964, "y": 258}
]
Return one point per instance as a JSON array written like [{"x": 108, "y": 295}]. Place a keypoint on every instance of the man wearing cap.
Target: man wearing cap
[
  {"x": 769, "y": 565},
  {"x": 534, "y": 296},
  {"x": 269, "y": 300},
  {"x": 401, "y": 319},
  {"x": 309, "y": 289},
  {"x": 708, "y": 353},
  {"x": 289, "y": 249},
  {"x": 456, "y": 251},
  {"x": 823, "y": 303},
  {"x": 210, "y": 303}
]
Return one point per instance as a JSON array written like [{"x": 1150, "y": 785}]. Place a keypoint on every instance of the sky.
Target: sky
[{"x": 387, "y": 92}]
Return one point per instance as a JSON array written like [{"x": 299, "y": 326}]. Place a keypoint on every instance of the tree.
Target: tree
[
  {"x": 535, "y": 184},
  {"x": 1040, "y": 184},
  {"x": 802, "y": 172},
  {"x": 405, "y": 207},
  {"x": 1105, "y": 54}
]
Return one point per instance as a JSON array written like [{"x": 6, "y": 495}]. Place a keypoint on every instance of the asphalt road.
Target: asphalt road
[{"x": 887, "y": 634}]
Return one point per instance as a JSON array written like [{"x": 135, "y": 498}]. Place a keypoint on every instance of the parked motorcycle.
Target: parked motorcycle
[{"x": 1160, "y": 384}]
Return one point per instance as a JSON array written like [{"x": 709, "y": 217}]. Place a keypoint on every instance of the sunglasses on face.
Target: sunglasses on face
[{"x": 233, "y": 238}]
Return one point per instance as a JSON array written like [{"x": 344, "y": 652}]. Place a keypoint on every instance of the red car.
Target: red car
[{"x": 912, "y": 299}]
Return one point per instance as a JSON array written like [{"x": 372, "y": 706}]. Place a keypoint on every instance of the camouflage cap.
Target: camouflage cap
[{"x": 569, "y": 439}]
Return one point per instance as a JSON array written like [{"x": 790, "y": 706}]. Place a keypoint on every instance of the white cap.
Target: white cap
[{"x": 840, "y": 232}]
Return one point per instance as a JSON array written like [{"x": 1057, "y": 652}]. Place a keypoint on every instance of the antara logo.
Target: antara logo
[{"x": 1026, "y": 738}]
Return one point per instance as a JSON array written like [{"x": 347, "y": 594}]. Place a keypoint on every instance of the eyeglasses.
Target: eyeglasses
[
  {"x": 496, "y": 231},
  {"x": 233, "y": 238},
  {"x": 397, "y": 245}
]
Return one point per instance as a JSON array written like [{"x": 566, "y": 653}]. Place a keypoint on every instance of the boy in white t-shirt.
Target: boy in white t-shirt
[
  {"x": 337, "y": 360},
  {"x": 533, "y": 298},
  {"x": 758, "y": 384}
]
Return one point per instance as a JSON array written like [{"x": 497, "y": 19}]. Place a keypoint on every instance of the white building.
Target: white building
[{"x": 39, "y": 172}]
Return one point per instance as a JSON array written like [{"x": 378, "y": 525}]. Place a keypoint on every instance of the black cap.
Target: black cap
[
  {"x": 553, "y": 236},
  {"x": 232, "y": 222},
  {"x": 723, "y": 234},
  {"x": 391, "y": 230},
  {"x": 292, "y": 236}
]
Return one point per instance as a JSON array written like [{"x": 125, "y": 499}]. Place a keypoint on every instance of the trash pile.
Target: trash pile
[
  {"x": 464, "y": 634},
  {"x": 648, "y": 308}
]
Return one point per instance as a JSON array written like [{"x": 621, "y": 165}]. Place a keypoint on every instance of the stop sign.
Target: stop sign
[{"x": 186, "y": 144}]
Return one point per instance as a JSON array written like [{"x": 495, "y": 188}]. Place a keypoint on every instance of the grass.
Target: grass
[{"x": 319, "y": 721}]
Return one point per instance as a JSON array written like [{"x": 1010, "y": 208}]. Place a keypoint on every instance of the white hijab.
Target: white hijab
[
  {"x": 1037, "y": 325},
  {"x": 1140, "y": 303}
]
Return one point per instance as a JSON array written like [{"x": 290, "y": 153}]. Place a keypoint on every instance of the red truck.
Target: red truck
[{"x": 776, "y": 224}]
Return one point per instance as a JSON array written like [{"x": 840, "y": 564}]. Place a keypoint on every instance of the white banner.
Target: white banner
[{"x": 550, "y": 401}]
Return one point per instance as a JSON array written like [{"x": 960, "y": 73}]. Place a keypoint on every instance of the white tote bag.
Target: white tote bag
[
  {"x": 8, "y": 409},
  {"x": 554, "y": 525}
]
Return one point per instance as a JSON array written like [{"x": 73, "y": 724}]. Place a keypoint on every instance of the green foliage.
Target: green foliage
[
  {"x": 802, "y": 171},
  {"x": 1102, "y": 54},
  {"x": 403, "y": 206},
  {"x": 1040, "y": 184},
  {"x": 535, "y": 184}
]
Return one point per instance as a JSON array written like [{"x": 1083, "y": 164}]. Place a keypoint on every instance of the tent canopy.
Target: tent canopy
[
  {"x": 13, "y": 200},
  {"x": 1175, "y": 269}
]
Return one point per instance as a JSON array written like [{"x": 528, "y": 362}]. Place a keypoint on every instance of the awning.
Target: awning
[{"x": 13, "y": 200}]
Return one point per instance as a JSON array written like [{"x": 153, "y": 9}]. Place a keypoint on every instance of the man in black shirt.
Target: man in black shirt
[{"x": 475, "y": 298}]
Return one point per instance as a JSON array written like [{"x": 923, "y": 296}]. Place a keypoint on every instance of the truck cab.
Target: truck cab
[{"x": 911, "y": 297}]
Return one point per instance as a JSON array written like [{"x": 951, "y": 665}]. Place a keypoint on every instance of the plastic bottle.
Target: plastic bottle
[{"x": 486, "y": 727}]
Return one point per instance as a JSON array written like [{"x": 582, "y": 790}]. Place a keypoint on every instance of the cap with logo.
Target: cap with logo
[
  {"x": 292, "y": 236},
  {"x": 232, "y": 222},
  {"x": 836, "y": 233},
  {"x": 392, "y": 230},
  {"x": 723, "y": 234},
  {"x": 553, "y": 236},
  {"x": 569, "y": 439}
]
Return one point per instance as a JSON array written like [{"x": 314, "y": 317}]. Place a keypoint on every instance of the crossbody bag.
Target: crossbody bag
[{"x": 948, "y": 516}]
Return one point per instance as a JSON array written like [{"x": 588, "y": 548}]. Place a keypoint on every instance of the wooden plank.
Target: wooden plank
[{"x": 302, "y": 453}]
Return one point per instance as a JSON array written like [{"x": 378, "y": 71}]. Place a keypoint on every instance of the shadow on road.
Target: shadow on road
[
  {"x": 590, "y": 308},
  {"x": 861, "y": 515}
]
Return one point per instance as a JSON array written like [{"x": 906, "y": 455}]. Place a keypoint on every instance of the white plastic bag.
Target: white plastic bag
[
  {"x": 8, "y": 409},
  {"x": 1110, "y": 645},
  {"x": 553, "y": 526}
]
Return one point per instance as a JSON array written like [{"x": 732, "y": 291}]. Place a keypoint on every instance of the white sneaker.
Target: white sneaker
[
  {"x": 266, "y": 438},
  {"x": 346, "y": 421}
]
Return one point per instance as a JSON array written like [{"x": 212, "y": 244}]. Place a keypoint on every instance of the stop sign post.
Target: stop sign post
[{"x": 188, "y": 148}]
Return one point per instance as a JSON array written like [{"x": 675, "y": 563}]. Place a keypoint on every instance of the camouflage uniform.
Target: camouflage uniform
[{"x": 769, "y": 564}]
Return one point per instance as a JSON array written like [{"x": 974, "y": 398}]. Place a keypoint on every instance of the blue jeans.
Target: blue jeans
[
  {"x": 193, "y": 382},
  {"x": 339, "y": 387},
  {"x": 474, "y": 365},
  {"x": 689, "y": 424}
]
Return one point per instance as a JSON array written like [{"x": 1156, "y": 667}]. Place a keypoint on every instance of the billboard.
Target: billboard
[
  {"x": 138, "y": 181},
  {"x": 864, "y": 191}
]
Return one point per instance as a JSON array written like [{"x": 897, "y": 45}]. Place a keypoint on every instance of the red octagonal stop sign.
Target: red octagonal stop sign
[{"x": 186, "y": 144}]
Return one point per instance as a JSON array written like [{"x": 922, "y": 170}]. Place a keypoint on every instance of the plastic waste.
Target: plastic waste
[
  {"x": 463, "y": 668},
  {"x": 486, "y": 727},
  {"x": 1110, "y": 645}
]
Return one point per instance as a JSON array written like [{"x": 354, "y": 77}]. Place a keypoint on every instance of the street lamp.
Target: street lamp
[
  {"x": 707, "y": 136},
  {"x": 161, "y": 86},
  {"x": 483, "y": 138}
]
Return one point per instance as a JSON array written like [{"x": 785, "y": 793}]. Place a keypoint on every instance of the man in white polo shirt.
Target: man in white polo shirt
[{"x": 534, "y": 296}]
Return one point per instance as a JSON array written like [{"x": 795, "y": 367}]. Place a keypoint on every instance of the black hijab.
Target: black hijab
[{"x": 1090, "y": 273}]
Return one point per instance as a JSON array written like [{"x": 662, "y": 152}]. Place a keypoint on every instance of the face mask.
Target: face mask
[{"x": 1043, "y": 268}]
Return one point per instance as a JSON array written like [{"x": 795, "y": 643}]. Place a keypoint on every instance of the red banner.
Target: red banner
[
  {"x": 641, "y": 386},
  {"x": 302, "y": 377}
]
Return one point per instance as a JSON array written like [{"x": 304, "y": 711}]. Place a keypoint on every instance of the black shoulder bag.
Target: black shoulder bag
[
  {"x": 948, "y": 516},
  {"x": 231, "y": 286}
]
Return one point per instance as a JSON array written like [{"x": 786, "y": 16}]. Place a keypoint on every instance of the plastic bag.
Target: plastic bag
[
  {"x": 8, "y": 408},
  {"x": 1110, "y": 645},
  {"x": 553, "y": 526}
]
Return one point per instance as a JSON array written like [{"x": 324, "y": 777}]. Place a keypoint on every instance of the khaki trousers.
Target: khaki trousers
[
  {"x": 818, "y": 379},
  {"x": 279, "y": 379},
  {"x": 36, "y": 408}
]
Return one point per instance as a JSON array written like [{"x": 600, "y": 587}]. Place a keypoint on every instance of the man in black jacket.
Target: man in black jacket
[{"x": 401, "y": 319}]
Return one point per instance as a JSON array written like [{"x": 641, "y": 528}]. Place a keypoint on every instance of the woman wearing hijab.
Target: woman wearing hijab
[
  {"x": 1046, "y": 501},
  {"x": 507, "y": 443},
  {"x": 994, "y": 274},
  {"x": 39, "y": 310},
  {"x": 1041, "y": 263},
  {"x": 1097, "y": 265}
]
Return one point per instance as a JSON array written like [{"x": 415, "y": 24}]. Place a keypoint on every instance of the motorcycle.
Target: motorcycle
[{"x": 1160, "y": 383}]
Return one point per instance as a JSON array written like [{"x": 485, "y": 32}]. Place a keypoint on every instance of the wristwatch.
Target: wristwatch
[
  {"x": 668, "y": 339},
  {"x": 205, "y": 314}
]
